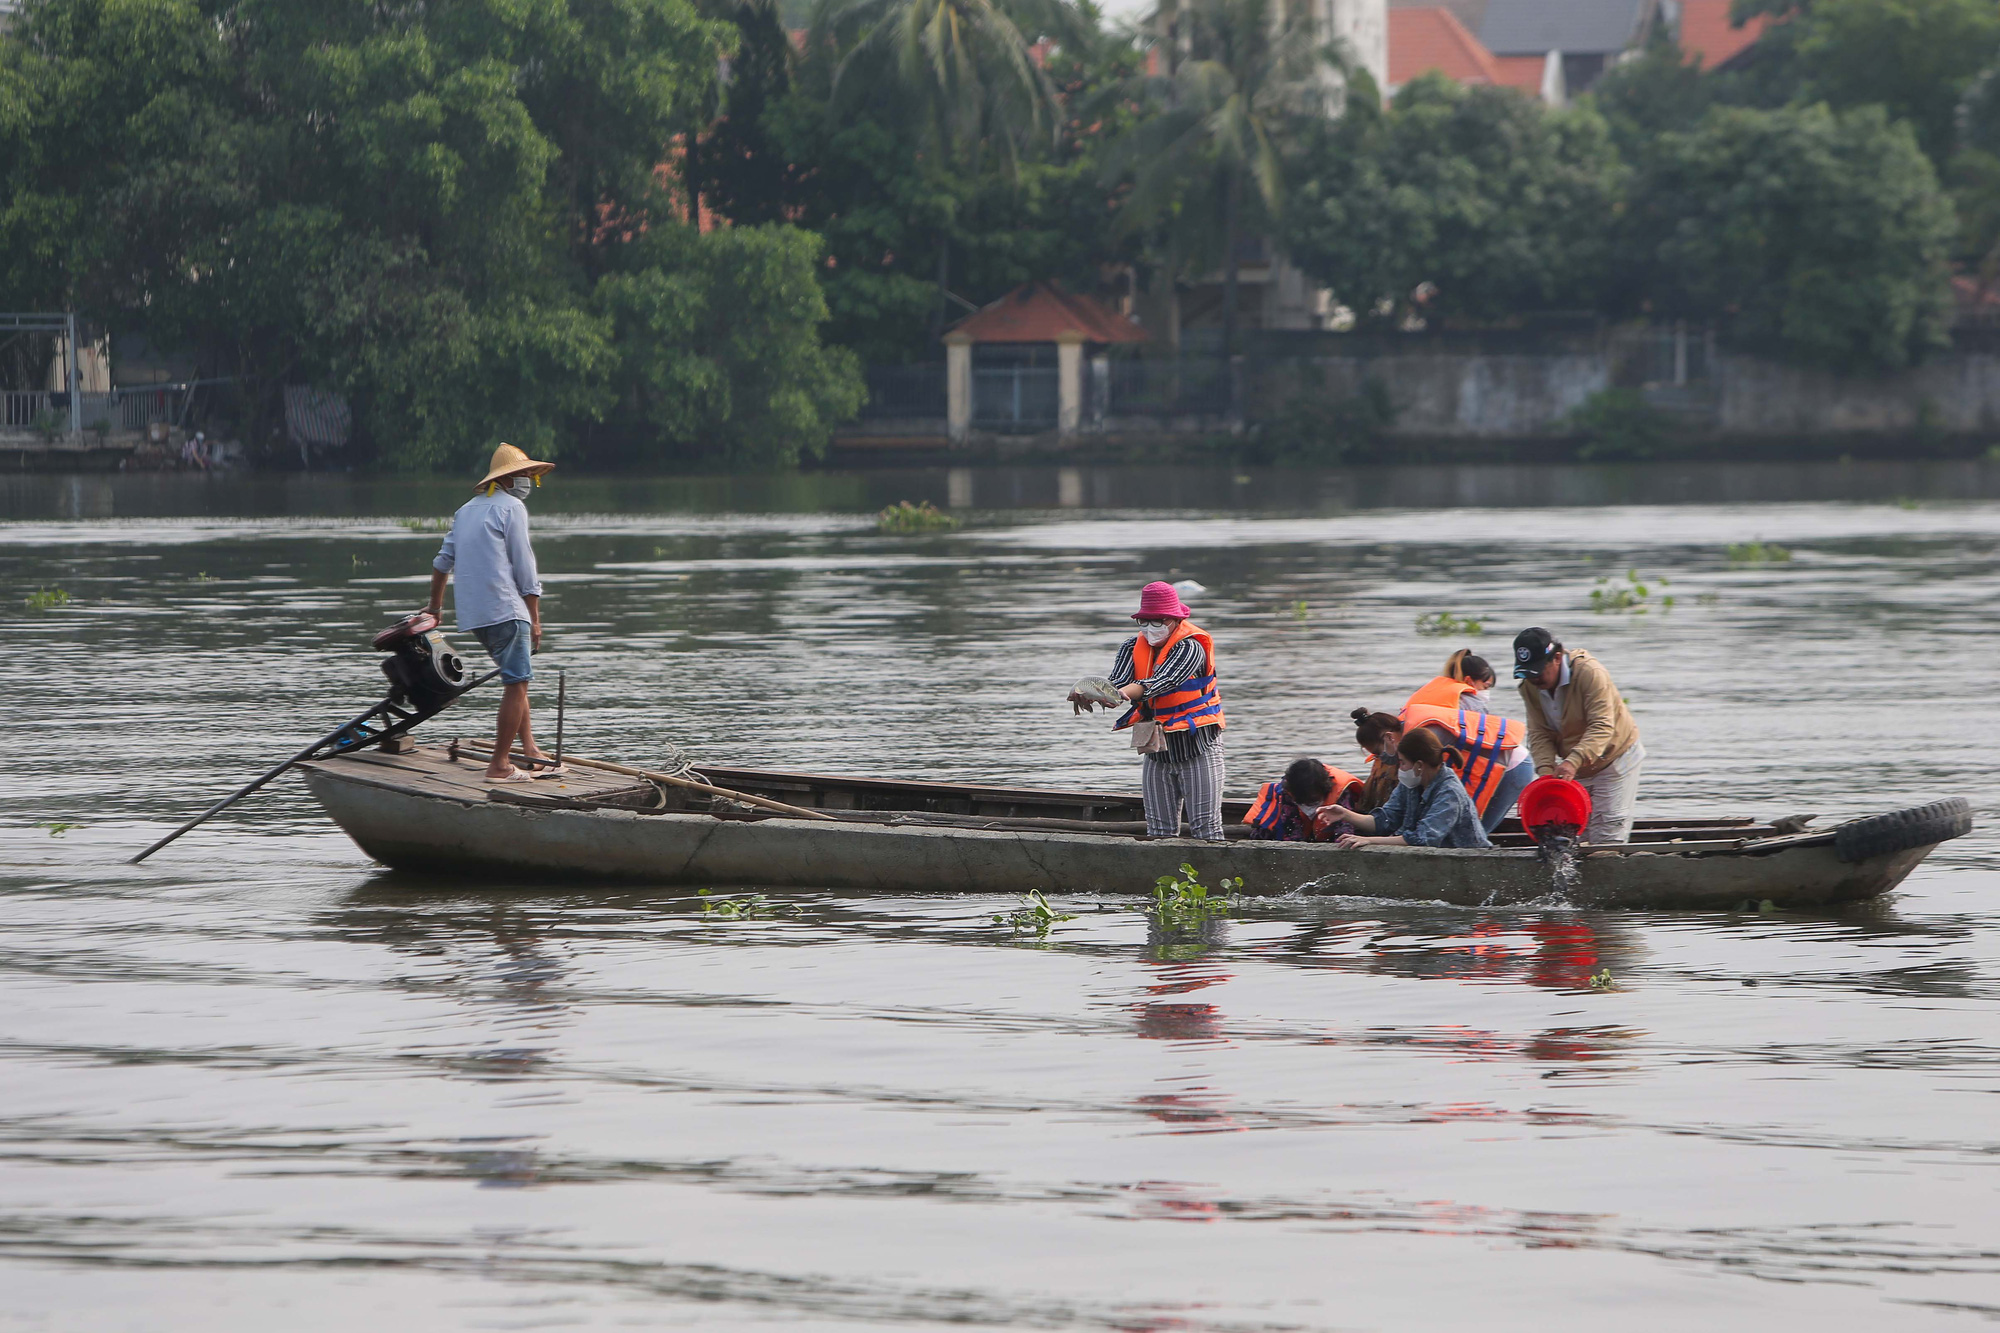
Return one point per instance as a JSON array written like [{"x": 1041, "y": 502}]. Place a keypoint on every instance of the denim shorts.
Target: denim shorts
[{"x": 507, "y": 644}]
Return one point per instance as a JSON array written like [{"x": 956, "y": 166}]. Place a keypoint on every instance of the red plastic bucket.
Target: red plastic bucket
[{"x": 1554, "y": 801}]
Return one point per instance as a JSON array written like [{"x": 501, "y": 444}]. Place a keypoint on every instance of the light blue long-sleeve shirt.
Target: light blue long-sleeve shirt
[{"x": 488, "y": 547}]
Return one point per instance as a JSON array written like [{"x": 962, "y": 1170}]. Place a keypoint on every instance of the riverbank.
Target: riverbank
[{"x": 423, "y": 500}]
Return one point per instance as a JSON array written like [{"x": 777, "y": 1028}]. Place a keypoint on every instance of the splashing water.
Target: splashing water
[{"x": 1558, "y": 844}]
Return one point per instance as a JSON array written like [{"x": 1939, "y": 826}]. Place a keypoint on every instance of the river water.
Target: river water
[{"x": 262, "y": 1083}]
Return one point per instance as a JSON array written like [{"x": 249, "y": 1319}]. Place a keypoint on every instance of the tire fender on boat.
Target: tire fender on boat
[{"x": 1918, "y": 826}]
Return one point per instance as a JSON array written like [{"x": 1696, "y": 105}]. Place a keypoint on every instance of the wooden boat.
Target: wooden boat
[{"x": 426, "y": 809}]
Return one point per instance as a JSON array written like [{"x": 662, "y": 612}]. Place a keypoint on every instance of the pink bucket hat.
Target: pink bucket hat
[{"x": 1159, "y": 601}]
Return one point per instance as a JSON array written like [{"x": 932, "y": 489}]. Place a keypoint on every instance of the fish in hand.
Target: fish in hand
[{"x": 1094, "y": 691}]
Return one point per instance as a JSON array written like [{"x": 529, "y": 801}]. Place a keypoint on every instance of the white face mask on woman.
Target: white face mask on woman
[
  {"x": 1482, "y": 695},
  {"x": 1155, "y": 634},
  {"x": 1408, "y": 777}
]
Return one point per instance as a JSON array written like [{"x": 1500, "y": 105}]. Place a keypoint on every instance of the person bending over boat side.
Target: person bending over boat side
[
  {"x": 1167, "y": 671},
  {"x": 1578, "y": 727},
  {"x": 1377, "y": 734},
  {"x": 1305, "y": 805},
  {"x": 499, "y": 598},
  {"x": 1467, "y": 684},
  {"x": 1431, "y": 807}
]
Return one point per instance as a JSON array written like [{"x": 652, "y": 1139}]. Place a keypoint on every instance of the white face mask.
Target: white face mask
[
  {"x": 1407, "y": 777},
  {"x": 1155, "y": 634},
  {"x": 519, "y": 487},
  {"x": 1482, "y": 695}
]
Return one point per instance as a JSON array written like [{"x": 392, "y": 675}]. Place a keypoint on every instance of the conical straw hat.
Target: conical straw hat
[{"x": 507, "y": 461}]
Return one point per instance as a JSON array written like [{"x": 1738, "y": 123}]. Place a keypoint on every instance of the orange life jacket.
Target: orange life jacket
[
  {"x": 1483, "y": 737},
  {"x": 1267, "y": 812},
  {"x": 1195, "y": 702},
  {"x": 1439, "y": 692}
]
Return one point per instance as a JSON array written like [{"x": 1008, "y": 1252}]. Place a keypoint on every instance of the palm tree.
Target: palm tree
[
  {"x": 1228, "y": 76},
  {"x": 972, "y": 66}
]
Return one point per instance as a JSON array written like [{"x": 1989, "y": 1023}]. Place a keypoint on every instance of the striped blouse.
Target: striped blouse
[{"x": 1182, "y": 663}]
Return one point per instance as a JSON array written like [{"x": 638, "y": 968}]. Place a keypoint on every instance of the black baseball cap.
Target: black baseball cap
[{"x": 1532, "y": 650}]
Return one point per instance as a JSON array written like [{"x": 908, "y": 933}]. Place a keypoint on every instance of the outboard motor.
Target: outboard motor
[{"x": 424, "y": 673}]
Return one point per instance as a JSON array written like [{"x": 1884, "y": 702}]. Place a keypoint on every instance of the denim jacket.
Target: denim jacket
[{"x": 1440, "y": 815}]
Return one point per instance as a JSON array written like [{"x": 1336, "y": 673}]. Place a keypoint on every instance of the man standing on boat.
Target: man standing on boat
[
  {"x": 499, "y": 593},
  {"x": 1578, "y": 728}
]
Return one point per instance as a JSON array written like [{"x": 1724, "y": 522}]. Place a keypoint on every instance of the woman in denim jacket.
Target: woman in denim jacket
[{"x": 1430, "y": 807}]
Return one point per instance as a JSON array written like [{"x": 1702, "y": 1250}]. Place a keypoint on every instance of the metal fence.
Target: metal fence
[
  {"x": 1160, "y": 387},
  {"x": 899, "y": 393},
  {"x": 1014, "y": 397},
  {"x": 1662, "y": 356}
]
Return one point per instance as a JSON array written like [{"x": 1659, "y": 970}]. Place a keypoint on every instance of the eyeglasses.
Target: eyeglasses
[{"x": 1152, "y": 624}]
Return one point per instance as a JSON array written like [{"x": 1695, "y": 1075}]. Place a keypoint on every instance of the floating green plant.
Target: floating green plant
[
  {"x": 1183, "y": 902},
  {"x": 56, "y": 828},
  {"x": 46, "y": 599},
  {"x": 1632, "y": 596},
  {"x": 1034, "y": 916},
  {"x": 906, "y": 517},
  {"x": 1443, "y": 624},
  {"x": 745, "y": 908},
  {"x": 1300, "y": 610},
  {"x": 1603, "y": 980},
  {"x": 1757, "y": 553},
  {"x": 427, "y": 524}
]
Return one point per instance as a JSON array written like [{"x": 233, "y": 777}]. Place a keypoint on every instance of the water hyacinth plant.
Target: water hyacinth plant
[
  {"x": 1757, "y": 553},
  {"x": 1035, "y": 916},
  {"x": 1443, "y": 624},
  {"x": 1632, "y": 596},
  {"x": 46, "y": 599},
  {"x": 1183, "y": 902},
  {"x": 906, "y": 517}
]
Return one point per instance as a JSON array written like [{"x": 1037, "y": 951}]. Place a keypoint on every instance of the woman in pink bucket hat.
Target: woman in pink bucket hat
[{"x": 1167, "y": 672}]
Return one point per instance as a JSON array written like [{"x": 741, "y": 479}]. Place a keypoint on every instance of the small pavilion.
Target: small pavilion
[{"x": 1033, "y": 338}]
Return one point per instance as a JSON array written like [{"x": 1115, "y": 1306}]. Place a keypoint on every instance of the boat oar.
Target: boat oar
[
  {"x": 357, "y": 740},
  {"x": 796, "y": 811}
]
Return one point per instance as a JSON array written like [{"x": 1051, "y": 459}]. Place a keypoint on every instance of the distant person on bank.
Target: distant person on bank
[
  {"x": 499, "y": 599},
  {"x": 1578, "y": 728}
]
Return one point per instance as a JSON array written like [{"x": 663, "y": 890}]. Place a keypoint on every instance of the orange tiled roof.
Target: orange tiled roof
[
  {"x": 1523, "y": 72},
  {"x": 1041, "y": 312},
  {"x": 1706, "y": 35},
  {"x": 1432, "y": 38}
]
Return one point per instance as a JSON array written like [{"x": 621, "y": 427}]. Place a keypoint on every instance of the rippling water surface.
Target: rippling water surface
[{"x": 262, "y": 1083}]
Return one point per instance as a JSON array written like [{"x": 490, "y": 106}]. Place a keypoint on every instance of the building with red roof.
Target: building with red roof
[{"x": 1707, "y": 36}]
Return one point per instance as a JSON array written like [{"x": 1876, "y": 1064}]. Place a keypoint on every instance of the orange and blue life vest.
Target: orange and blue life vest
[
  {"x": 1440, "y": 692},
  {"x": 1275, "y": 809},
  {"x": 1195, "y": 702},
  {"x": 1483, "y": 737}
]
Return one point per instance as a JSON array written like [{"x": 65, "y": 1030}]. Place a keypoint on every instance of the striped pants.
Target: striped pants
[{"x": 1197, "y": 785}]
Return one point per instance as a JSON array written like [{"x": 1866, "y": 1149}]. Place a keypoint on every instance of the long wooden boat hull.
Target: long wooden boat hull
[{"x": 410, "y": 818}]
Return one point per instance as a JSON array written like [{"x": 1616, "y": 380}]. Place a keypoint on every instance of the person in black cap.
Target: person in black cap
[{"x": 1578, "y": 727}]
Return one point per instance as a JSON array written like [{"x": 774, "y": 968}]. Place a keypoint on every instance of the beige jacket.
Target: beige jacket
[{"x": 1595, "y": 730}]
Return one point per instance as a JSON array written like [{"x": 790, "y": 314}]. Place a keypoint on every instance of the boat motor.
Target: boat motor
[{"x": 423, "y": 671}]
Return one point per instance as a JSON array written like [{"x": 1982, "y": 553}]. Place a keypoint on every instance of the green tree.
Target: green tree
[
  {"x": 1818, "y": 235},
  {"x": 412, "y": 204},
  {"x": 723, "y": 356},
  {"x": 1915, "y": 58},
  {"x": 1502, "y": 207},
  {"x": 1234, "y": 76},
  {"x": 966, "y": 71}
]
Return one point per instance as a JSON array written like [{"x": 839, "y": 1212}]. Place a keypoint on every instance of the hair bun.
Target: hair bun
[{"x": 1359, "y": 715}]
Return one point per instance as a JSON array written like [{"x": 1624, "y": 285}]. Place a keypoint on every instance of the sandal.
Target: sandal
[{"x": 514, "y": 775}]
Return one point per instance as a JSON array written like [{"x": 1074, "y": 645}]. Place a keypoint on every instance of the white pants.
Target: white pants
[{"x": 1612, "y": 794}]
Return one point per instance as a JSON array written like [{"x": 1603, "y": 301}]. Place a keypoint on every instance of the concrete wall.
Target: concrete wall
[
  {"x": 1957, "y": 393},
  {"x": 1453, "y": 394}
]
